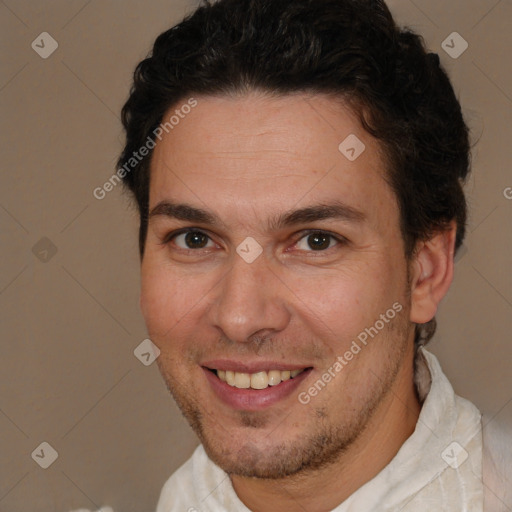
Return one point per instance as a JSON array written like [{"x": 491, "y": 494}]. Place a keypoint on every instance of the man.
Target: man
[{"x": 298, "y": 167}]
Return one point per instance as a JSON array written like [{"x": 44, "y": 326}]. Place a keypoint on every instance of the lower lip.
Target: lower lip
[{"x": 254, "y": 399}]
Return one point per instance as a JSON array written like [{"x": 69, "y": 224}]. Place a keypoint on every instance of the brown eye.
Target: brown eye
[
  {"x": 192, "y": 240},
  {"x": 317, "y": 241}
]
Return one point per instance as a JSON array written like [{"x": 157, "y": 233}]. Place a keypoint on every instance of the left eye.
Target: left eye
[{"x": 317, "y": 241}]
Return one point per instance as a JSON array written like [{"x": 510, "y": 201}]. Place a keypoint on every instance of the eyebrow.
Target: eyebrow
[
  {"x": 183, "y": 212},
  {"x": 336, "y": 210}
]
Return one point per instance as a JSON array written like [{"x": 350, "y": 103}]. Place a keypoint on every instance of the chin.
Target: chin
[
  {"x": 269, "y": 458},
  {"x": 249, "y": 460}
]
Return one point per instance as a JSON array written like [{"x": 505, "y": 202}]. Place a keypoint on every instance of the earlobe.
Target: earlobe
[{"x": 431, "y": 274}]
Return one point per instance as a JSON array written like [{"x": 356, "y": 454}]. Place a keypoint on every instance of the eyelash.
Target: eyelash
[{"x": 303, "y": 234}]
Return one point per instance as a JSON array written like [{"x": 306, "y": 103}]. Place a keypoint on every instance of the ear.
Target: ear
[{"x": 431, "y": 274}]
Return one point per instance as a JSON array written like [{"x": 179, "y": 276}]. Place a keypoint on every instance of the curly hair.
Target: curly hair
[{"x": 351, "y": 49}]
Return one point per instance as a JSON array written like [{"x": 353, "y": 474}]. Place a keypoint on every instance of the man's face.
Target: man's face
[{"x": 324, "y": 276}]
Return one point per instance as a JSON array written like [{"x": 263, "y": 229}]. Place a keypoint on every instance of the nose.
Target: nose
[{"x": 250, "y": 302}]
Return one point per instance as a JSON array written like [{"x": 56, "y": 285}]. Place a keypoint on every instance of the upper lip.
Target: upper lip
[{"x": 251, "y": 367}]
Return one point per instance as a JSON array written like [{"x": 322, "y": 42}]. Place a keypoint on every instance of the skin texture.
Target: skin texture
[{"x": 247, "y": 160}]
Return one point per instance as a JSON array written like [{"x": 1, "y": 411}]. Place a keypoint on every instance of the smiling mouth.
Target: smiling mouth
[{"x": 259, "y": 380}]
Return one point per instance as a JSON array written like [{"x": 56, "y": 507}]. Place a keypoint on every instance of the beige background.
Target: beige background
[{"x": 70, "y": 324}]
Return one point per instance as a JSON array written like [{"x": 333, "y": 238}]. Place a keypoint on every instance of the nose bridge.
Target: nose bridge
[{"x": 249, "y": 300}]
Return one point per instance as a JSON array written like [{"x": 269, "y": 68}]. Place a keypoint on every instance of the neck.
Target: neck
[{"x": 326, "y": 488}]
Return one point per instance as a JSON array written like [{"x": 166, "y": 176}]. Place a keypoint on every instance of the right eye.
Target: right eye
[{"x": 192, "y": 239}]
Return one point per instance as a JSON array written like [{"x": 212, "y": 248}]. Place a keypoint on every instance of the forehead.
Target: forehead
[{"x": 257, "y": 153}]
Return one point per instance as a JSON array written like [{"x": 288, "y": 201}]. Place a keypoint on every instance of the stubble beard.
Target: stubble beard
[{"x": 308, "y": 453}]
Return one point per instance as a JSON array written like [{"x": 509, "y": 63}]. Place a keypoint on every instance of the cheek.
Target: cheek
[
  {"x": 346, "y": 301},
  {"x": 154, "y": 303},
  {"x": 168, "y": 300}
]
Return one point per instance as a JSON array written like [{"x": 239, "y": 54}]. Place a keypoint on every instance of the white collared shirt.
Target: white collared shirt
[{"x": 437, "y": 469}]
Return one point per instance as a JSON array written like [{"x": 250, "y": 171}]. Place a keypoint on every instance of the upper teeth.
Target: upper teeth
[{"x": 260, "y": 380}]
